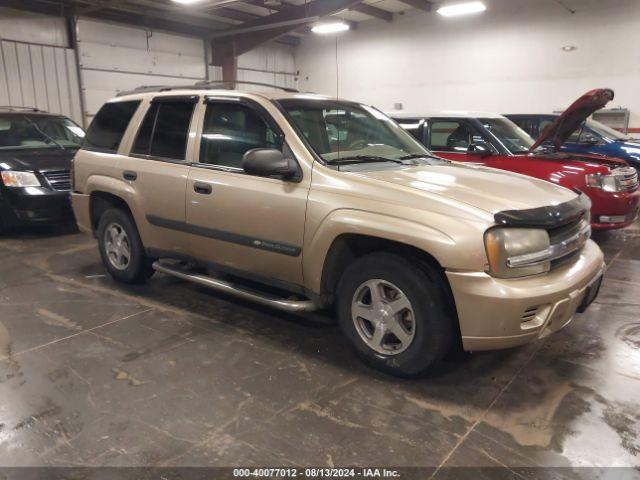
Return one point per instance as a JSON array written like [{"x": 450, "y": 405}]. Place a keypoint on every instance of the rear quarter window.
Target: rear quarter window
[{"x": 107, "y": 128}]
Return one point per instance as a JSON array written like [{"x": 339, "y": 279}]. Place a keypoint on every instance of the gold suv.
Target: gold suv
[{"x": 304, "y": 202}]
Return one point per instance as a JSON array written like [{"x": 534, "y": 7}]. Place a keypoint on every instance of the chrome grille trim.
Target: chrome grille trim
[
  {"x": 627, "y": 178},
  {"x": 563, "y": 243},
  {"x": 59, "y": 180}
]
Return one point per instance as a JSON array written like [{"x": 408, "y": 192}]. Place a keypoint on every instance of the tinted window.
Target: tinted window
[
  {"x": 143, "y": 140},
  {"x": 230, "y": 130},
  {"x": 109, "y": 125},
  {"x": 165, "y": 130},
  {"x": 450, "y": 136}
]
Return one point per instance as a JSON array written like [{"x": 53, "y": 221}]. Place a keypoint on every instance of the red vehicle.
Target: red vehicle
[{"x": 494, "y": 141}]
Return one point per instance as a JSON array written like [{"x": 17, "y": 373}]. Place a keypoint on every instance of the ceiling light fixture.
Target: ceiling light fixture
[
  {"x": 569, "y": 48},
  {"x": 461, "y": 9},
  {"x": 332, "y": 27}
]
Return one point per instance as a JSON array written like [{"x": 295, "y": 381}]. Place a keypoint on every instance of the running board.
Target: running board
[{"x": 236, "y": 291}]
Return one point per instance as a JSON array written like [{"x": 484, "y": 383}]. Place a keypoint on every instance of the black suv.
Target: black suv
[{"x": 36, "y": 149}]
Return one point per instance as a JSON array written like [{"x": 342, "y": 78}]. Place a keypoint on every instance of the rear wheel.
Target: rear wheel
[
  {"x": 395, "y": 314},
  {"x": 121, "y": 249}
]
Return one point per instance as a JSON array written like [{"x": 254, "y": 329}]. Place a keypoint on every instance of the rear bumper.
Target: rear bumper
[
  {"x": 501, "y": 313},
  {"x": 35, "y": 206},
  {"x": 81, "y": 210}
]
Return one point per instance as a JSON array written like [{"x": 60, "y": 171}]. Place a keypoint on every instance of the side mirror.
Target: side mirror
[
  {"x": 269, "y": 162},
  {"x": 480, "y": 148}
]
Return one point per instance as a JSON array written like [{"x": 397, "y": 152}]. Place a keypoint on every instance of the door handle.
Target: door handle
[
  {"x": 129, "y": 175},
  {"x": 202, "y": 188}
]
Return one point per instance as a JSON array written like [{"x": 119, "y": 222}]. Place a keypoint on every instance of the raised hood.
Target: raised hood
[
  {"x": 484, "y": 188},
  {"x": 561, "y": 129}
]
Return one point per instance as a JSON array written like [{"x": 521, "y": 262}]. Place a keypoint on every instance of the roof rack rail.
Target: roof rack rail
[
  {"x": 12, "y": 107},
  {"x": 230, "y": 85},
  {"x": 201, "y": 85}
]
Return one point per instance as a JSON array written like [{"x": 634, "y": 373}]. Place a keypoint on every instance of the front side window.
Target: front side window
[
  {"x": 451, "y": 136},
  {"x": 339, "y": 131},
  {"x": 510, "y": 135},
  {"x": 232, "y": 129},
  {"x": 22, "y": 131},
  {"x": 165, "y": 131},
  {"x": 107, "y": 128}
]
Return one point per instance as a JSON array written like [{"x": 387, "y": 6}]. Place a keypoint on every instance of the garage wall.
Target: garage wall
[
  {"x": 271, "y": 63},
  {"x": 507, "y": 60},
  {"x": 115, "y": 57},
  {"x": 41, "y": 76}
]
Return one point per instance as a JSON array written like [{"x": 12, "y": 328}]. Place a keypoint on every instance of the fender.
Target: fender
[
  {"x": 122, "y": 189},
  {"x": 442, "y": 246}
]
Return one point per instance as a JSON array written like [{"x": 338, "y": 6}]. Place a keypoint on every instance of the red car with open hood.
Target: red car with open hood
[{"x": 494, "y": 141}]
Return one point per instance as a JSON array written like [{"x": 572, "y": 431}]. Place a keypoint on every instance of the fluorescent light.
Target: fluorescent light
[
  {"x": 187, "y": 2},
  {"x": 333, "y": 27},
  {"x": 461, "y": 9}
]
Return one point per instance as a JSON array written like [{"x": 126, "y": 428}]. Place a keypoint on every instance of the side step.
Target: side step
[{"x": 231, "y": 289}]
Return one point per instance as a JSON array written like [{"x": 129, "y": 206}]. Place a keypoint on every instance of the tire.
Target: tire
[
  {"x": 126, "y": 261},
  {"x": 422, "y": 317}
]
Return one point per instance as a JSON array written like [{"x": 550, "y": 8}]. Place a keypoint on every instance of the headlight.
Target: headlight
[
  {"x": 608, "y": 183},
  {"x": 517, "y": 252},
  {"x": 620, "y": 179},
  {"x": 19, "y": 179}
]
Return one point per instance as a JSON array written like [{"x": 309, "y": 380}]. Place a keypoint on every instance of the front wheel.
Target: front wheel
[
  {"x": 121, "y": 249},
  {"x": 395, "y": 314}
]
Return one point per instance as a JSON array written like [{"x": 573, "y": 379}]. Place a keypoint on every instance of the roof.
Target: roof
[
  {"x": 445, "y": 114},
  {"x": 6, "y": 109}
]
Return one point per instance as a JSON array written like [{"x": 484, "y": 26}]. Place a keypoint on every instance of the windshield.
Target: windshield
[
  {"x": 343, "y": 130},
  {"x": 18, "y": 131},
  {"x": 606, "y": 131},
  {"x": 516, "y": 140}
]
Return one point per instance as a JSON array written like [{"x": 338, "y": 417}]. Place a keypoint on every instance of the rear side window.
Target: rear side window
[
  {"x": 165, "y": 130},
  {"x": 107, "y": 128}
]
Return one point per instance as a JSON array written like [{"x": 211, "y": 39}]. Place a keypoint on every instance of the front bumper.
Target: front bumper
[
  {"x": 621, "y": 207},
  {"x": 499, "y": 313},
  {"x": 35, "y": 206}
]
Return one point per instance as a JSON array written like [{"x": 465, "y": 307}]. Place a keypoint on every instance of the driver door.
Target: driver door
[{"x": 241, "y": 222}]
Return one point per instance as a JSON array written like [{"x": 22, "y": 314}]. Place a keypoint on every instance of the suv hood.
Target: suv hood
[
  {"x": 488, "y": 189},
  {"x": 561, "y": 129},
  {"x": 36, "y": 159}
]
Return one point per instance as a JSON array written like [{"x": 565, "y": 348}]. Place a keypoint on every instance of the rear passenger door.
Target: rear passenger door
[
  {"x": 243, "y": 222},
  {"x": 157, "y": 169}
]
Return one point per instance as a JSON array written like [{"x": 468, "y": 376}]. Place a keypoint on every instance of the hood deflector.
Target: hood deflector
[
  {"x": 561, "y": 129},
  {"x": 545, "y": 217}
]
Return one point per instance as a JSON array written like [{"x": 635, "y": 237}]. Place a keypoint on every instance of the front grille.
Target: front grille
[
  {"x": 59, "y": 180},
  {"x": 567, "y": 240},
  {"x": 627, "y": 178}
]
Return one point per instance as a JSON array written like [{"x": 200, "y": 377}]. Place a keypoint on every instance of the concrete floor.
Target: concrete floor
[{"x": 170, "y": 374}]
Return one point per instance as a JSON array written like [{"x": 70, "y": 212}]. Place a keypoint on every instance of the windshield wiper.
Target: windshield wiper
[
  {"x": 37, "y": 128},
  {"x": 413, "y": 156},
  {"x": 363, "y": 159}
]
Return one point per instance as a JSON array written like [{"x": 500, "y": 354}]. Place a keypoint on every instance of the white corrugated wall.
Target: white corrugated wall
[
  {"x": 40, "y": 76},
  {"x": 115, "y": 57},
  {"x": 38, "y": 69}
]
